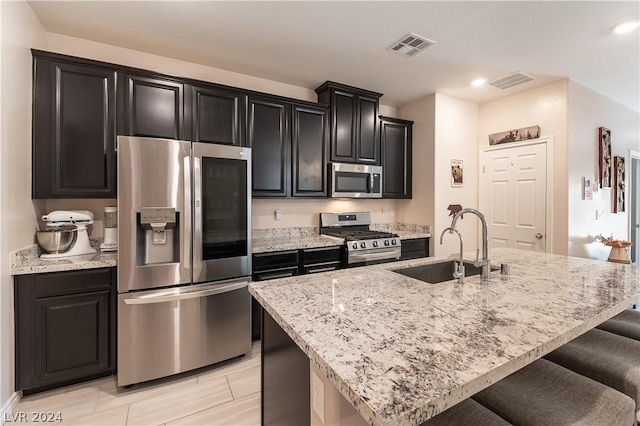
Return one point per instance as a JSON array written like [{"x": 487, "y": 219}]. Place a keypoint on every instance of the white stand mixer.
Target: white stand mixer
[{"x": 81, "y": 219}]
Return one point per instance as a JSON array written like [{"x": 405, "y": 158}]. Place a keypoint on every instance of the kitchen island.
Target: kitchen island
[{"x": 400, "y": 350}]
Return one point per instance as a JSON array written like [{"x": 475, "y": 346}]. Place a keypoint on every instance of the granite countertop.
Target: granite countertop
[
  {"x": 279, "y": 239},
  {"x": 28, "y": 261},
  {"x": 401, "y": 350}
]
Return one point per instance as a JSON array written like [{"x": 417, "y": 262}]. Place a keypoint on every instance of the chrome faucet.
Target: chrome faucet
[
  {"x": 484, "y": 262},
  {"x": 459, "y": 267}
]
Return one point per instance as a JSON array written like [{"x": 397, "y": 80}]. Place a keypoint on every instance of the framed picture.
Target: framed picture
[
  {"x": 456, "y": 173},
  {"x": 531, "y": 132},
  {"x": 618, "y": 184},
  {"x": 604, "y": 157}
]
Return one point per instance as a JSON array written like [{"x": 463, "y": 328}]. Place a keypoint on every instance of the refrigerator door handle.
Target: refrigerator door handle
[
  {"x": 188, "y": 219},
  {"x": 197, "y": 218},
  {"x": 161, "y": 298}
]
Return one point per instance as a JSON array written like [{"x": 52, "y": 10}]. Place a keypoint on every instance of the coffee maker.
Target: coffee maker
[{"x": 110, "y": 242}]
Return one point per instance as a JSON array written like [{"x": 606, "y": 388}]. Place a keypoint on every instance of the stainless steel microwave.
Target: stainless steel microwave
[{"x": 355, "y": 181}]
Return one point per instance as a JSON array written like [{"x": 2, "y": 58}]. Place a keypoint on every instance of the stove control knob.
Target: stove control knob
[
  {"x": 393, "y": 242},
  {"x": 363, "y": 245},
  {"x": 355, "y": 245},
  {"x": 386, "y": 242},
  {"x": 375, "y": 244}
]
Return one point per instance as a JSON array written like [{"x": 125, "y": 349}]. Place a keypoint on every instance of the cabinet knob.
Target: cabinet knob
[{"x": 539, "y": 236}]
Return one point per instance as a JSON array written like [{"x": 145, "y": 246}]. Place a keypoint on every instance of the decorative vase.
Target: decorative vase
[{"x": 619, "y": 255}]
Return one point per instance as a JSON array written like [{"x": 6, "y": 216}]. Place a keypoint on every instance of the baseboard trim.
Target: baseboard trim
[{"x": 7, "y": 408}]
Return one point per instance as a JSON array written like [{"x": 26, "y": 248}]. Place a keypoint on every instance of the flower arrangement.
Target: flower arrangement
[{"x": 611, "y": 242}]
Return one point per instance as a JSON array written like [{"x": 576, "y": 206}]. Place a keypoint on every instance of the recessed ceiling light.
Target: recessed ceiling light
[
  {"x": 625, "y": 27},
  {"x": 478, "y": 82}
]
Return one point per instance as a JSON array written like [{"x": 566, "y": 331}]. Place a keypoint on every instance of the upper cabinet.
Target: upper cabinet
[
  {"x": 395, "y": 141},
  {"x": 288, "y": 141},
  {"x": 354, "y": 123},
  {"x": 218, "y": 115},
  {"x": 270, "y": 142},
  {"x": 74, "y": 107},
  {"x": 152, "y": 106},
  {"x": 310, "y": 148}
]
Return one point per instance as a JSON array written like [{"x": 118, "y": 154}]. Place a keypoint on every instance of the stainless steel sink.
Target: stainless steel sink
[{"x": 434, "y": 273}]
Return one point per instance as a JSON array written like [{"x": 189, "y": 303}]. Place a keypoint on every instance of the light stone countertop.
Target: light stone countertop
[
  {"x": 401, "y": 350},
  {"x": 27, "y": 261},
  {"x": 280, "y": 239}
]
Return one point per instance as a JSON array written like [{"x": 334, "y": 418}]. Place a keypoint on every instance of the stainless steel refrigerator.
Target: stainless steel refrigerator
[{"x": 184, "y": 256}]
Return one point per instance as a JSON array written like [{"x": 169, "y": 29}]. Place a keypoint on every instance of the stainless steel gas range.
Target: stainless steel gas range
[{"x": 363, "y": 245}]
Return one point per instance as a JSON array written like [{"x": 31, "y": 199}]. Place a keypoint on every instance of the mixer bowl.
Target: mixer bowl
[{"x": 57, "y": 240}]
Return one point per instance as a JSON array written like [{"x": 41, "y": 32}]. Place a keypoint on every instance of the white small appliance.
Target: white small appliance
[
  {"x": 110, "y": 242},
  {"x": 79, "y": 218}
]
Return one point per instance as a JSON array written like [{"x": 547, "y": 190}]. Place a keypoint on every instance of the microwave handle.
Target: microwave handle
[{"x": 371, "y": 182}]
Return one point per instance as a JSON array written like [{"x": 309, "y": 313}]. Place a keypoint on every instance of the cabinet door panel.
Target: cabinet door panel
[
  {"x": 73, "y": 335},
  {"x": 74, "y": 131},
  {"x": 344, "y": 127},
  {"x": 368, "y": 146},
  {"x": 310, "y": 144},
  {"x": 154, "y": 107},
  {"x": 396, "y": 158},
  {"x": 270, "y": 143},
  {"x": 218, "y": 116}
]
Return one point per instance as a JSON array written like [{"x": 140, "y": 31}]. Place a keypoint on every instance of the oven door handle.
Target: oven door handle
[
  {"x": 376, "y": 255},
  {"x": 172, "y": 297}
]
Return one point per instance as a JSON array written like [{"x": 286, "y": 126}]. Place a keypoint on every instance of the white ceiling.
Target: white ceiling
[{"x": 308, "y": 42}]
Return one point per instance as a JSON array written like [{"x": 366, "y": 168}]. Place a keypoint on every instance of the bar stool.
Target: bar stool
[
  {"x": 544, "y": 393},
  {"x": 605, "y": 357},
  {"x": 626, "y": 323},
  {"x": 467, "y": 412}
]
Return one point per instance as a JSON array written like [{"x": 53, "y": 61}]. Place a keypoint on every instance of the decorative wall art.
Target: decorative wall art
[
  {"x": 456, "y": 173},
  {"x": 618, "y": 187},
  {"x": 532, "y": 132},
  {"x": 604, "y": 157}
]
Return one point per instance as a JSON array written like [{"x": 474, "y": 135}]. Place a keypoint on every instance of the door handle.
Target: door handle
[
  {"x": 173, "y": 297},
  {"x": 539, "y": 236}
]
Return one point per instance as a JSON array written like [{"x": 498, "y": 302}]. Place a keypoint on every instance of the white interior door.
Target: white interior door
[
  {"x": 515, "y": 196},
  {"x": 634, "y": 205}
]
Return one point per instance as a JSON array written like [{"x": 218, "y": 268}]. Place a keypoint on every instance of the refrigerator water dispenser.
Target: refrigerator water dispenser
[{"x": 160, "y": 242}]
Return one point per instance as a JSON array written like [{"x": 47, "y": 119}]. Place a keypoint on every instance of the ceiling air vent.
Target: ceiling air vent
[
  {"x": 410, "y": 45},
  {"x": 510, "y": 80}
]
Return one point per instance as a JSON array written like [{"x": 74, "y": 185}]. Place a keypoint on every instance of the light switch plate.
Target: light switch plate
[{"x": 277, "y": 214}]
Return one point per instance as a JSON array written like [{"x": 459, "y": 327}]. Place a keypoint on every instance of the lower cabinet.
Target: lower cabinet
[
  {"x": 414, "y": 248},
  {"x": 65, "y": 328}
]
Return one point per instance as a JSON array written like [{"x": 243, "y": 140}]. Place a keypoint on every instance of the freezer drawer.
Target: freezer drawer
[{"x": 168, "y": 331}]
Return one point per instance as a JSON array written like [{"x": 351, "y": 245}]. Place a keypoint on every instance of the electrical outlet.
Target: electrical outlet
[
  {"x": 317, "y": 395},
  {"x": 277, "y": 214},
  {"x": 599, "y": 214}
]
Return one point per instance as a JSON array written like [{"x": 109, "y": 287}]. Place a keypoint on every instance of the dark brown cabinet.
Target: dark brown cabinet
[
  {"x": 218, "y": 115},
  {"x": 414, "y": 248},
  {"x": 74, "y": 108},
  {"x": 65, "y": 328},
  {"x": 270, "y": 142},
  {"x": 289, "y": 147},
  {"x": 310, "y": 137},
  {"x": 152, "y": 106},
  {"x": 395, "y": 143},
  {"x": 354, "y": 123}
]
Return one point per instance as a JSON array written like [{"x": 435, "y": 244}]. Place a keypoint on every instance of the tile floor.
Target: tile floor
[{"x": 226, "y": 394}]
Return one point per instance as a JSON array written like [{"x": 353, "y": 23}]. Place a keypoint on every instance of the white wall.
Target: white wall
[
  {"x": 456, "y": 138},
  {"x": 419, "y": 210},
  {"x": 587, "y": 112},
  {"x": 445, "y": 128},
  {"x": 20, "y": 31},
  {"x": 546, "y": 107}
]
